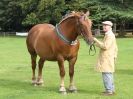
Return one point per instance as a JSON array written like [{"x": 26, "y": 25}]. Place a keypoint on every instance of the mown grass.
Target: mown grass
[{"x": 15, "y": 73}]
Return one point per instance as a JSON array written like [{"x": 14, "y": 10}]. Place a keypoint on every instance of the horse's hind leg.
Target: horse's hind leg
[
  {"x": 33, "y": 62},
  {"x": 40, "y": 65},
  {"x": 72, "y": 87}
]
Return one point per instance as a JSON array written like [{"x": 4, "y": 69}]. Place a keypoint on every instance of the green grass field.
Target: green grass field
[{"x": 15, "y": 73}]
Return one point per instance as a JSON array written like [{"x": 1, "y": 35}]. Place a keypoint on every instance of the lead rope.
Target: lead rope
[{"x": 92, "y": 48}]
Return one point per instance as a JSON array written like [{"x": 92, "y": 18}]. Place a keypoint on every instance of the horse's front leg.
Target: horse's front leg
[
  {"x": 40, "y": 65},
  {"x": 62, "y": 75},
  {"x": 72, "y": 87}
]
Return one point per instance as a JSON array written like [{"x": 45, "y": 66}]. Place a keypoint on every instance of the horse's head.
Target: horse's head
[
  {"x": 78, "y": 23},
  {"x": 84, "y": 26}
]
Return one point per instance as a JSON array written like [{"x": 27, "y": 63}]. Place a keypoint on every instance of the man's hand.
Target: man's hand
[{"x": 94, "y": 39}]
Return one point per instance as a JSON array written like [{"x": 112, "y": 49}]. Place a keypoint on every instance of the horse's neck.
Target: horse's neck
[{"x": 68, "y": 29}]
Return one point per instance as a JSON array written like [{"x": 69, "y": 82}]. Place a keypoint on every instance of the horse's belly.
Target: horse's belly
[
  {"x": 56, "y": 55},
  {"x": 45, "y": 53}
]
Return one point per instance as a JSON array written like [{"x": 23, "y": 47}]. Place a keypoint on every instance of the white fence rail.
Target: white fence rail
[{"x": 13, "y": 33}]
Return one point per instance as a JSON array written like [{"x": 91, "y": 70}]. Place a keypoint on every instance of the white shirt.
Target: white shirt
[{"x": 109, "y": 32}]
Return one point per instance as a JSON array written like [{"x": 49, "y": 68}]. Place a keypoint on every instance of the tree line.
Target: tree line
[{"x": 21, "y": 15}]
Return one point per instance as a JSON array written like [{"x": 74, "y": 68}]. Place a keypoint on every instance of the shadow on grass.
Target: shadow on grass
[
  {"x": 125, "y": 71},
  {"x": 91, "y": 92},
  {"x": 26, "y": 85}
]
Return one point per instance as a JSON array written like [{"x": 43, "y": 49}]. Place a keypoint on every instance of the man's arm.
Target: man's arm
[{"x": 104, "y": 45}]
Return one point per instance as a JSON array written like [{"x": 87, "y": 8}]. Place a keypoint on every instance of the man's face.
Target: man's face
[{"x": 106, "y": 27}]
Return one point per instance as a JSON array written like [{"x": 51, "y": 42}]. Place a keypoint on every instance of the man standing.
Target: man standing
[{"x": 107, "y": 57}]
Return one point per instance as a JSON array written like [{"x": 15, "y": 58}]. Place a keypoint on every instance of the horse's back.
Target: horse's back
[
  {"x": 37, "y": 34},
  {"x": 41, "y": 28}
]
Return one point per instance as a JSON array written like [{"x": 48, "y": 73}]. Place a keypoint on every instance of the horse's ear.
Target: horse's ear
[
  {"x": 82, "y": 18},
  {"x": 87, "y": 13},
  {"x": 73, "y": 12}
]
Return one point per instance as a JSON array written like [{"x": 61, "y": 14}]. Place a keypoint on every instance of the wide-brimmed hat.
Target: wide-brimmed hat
[{"x": 107, "y": 23}]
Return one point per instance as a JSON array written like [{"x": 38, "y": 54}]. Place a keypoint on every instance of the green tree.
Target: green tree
[
  {"x": 10, "y": 15},
  {"x": 48, "y": 11},
  {"x": 120, "y": 12},
  {"x": 19, "y": 14}
]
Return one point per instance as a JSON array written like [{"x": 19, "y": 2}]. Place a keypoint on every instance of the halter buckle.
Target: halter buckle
[{"x": 74, "y": 42}]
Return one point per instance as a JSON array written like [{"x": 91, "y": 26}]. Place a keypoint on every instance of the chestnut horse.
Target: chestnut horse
[{"x": 58, "y": 44}]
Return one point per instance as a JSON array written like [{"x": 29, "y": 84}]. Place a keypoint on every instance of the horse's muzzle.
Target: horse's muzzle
[{"x": 91, "y": 42}]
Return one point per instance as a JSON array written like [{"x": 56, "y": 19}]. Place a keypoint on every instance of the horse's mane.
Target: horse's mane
[
  {"x": 65, "y": 18},
  {"x": 71, "y": 15}
]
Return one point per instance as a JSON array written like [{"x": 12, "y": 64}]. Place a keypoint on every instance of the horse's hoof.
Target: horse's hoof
[
  {"x": 40, "y": 82},
  {"x": 72, "y": 89},
  {"x": 62, "y": 90},
  {"x": 35, "y": 85},
  {"x": 34, "y": 82}
]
